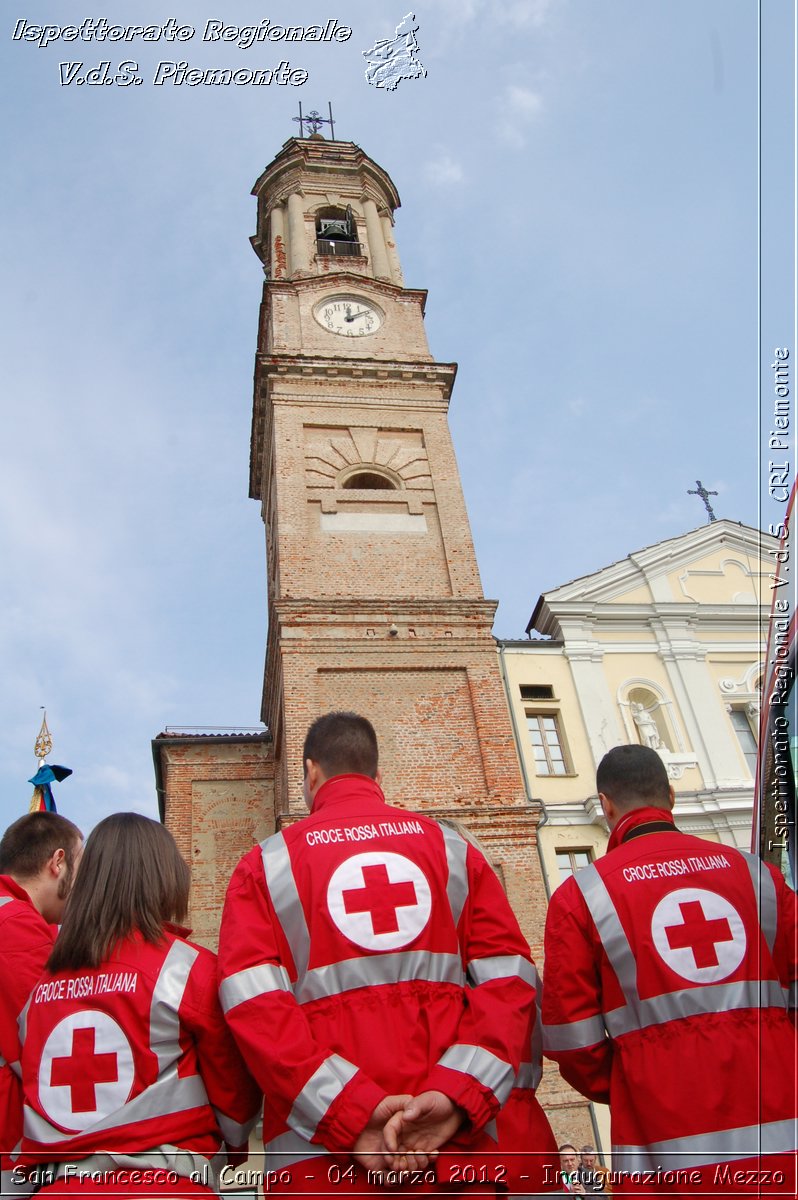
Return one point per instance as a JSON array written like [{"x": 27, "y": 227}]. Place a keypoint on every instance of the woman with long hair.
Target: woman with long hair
[{"x": 133, "y": 1084}]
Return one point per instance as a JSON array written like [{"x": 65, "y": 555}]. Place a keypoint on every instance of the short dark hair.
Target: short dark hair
[
  {"x": 29, "y": 844},
  {"x": 566, "y": 1146},
  {"x": 634, "y": 777},
  {"x": 131, "y": 877},
  {"x": 342, "y": 743}
]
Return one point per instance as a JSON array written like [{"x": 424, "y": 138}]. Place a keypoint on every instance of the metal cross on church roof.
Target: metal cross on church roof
[
  {"x": 704, "y": 494},
  {"x": 314, "y": 120}
]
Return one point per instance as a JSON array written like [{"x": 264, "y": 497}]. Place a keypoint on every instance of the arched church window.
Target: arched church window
[
  {"x": 368, "y": 481},
  {"x": 336, "y": 232},
  {"x": 649, "y": 719}
]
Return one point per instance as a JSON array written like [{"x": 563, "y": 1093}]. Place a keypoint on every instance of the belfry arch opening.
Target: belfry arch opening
[
  {"x": 369, "y": 481},
  {"x": 336, "y": 231}
]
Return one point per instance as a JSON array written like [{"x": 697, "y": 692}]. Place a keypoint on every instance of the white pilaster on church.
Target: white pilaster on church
[
  {"x": 705, "y": 718},
  {"x": 599, "y": 711}
]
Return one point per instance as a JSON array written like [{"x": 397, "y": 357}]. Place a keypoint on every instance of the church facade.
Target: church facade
[{"x": 666, "y": 648}]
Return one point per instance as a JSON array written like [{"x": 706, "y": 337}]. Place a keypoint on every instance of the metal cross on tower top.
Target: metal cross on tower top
[
  {"x": 314, "y": 120},
  {"x": 704, "y": 494}
]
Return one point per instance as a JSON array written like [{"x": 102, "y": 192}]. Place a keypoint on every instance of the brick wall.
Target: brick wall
[{"x": 217, "y": 800}]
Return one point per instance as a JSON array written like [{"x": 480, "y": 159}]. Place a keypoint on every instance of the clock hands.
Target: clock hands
[{"x": 350, "y": 316}]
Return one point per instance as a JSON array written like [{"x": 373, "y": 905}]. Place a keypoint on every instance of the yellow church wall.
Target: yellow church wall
[
  {"x": 611, "y": 636},
  {"x": 737, "y": 666},
  {"x": 721, "y": 577},
  {"x": 638, "y": 595},
  {"x": 691, "y": 781},
  {"x": 552, "y": 838},
  {"x": 548, "y": 666},
  {"x": 619, "y": 669},
  {"x": 745, "y": 635}
]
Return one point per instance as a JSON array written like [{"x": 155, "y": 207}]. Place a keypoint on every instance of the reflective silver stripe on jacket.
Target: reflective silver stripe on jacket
[
  {"x": 527, "y": 1077},
  {"x": 575, "y": 1035},
  {"x": 378, "y": 969},
  {"x": 290, "y": 1148},
  {"x": 610, "y": 930},
  {"x": 792, "y": 995},
  {"x": 706, "y": 1149},
  {"x": 285, "y": 898},
  {"x": 502, "y": 966},
  {"x": 5, "y": 900},
  {"x": 169, "y": 1095},
  {"x": 167, "y": 996},
  {"x": 234, "y": 1132},
  {"x": 324, "y": 1086},
  {"x": 765, "y": 892},
  {"x": 492, "y": 1072},
  {"x": 457, "y": 883},
  {"x": 537, "y": 1032},
  {"x": 692, "y": 1002},
  {"x": 22, "y": 1020},
  {"x": 254, "y": 981}
]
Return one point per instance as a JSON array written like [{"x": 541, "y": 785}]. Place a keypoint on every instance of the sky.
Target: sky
[{"x": 581, "y": 196}]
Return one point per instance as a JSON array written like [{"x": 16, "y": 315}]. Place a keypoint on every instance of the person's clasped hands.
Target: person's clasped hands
[{"x": 405, "y": 1133}]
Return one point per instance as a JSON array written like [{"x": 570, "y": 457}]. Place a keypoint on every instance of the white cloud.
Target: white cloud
[
  {"x": 520, "y": 14},
  {"x": 524, "y": 14},
  {"x": 524, "y": 102},
  {"x": 444, "y": 171},
  {"x": 520, "y": 108}
]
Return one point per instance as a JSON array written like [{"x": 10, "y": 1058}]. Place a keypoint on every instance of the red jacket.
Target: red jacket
[
  {"x": 26, "y": 940},
  {"x": 133, "y": 1058},
  {"x": 346, "y": 946},
  {"x": 670, "y": 966}
]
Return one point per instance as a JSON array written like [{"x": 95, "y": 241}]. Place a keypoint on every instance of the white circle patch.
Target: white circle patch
[
  {"x": 86, "y": 1070},
  {"x": 379, "y": 900},
  {"x": 699, "y": 934}
]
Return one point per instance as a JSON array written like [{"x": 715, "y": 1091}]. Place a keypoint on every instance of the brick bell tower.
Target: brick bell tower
[{"x": 375, "y": 602}]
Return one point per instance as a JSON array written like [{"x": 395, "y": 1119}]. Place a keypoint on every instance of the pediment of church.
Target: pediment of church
[{"x": 721, "y": 564}]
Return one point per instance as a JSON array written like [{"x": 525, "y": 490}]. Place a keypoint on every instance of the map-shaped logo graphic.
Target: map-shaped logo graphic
[{"x": 390, "y": 60}]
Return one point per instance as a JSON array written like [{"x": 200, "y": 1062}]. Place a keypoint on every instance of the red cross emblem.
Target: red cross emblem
[
  {"x": 82, "y": 1070},
  {"x": 86, "y": 1070},
  {"x": 699, "y": 934},
  {"x": 380, "y": 898}
]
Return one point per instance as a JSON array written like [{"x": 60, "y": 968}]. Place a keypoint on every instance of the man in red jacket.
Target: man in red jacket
[
  {"x": 38, "y": 856},
  {"x": 671, "y": 967},
  {"x": 371, "y": 968}
]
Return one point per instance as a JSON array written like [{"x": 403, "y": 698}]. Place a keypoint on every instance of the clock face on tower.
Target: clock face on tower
[{"x": 351, "y": 316}]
